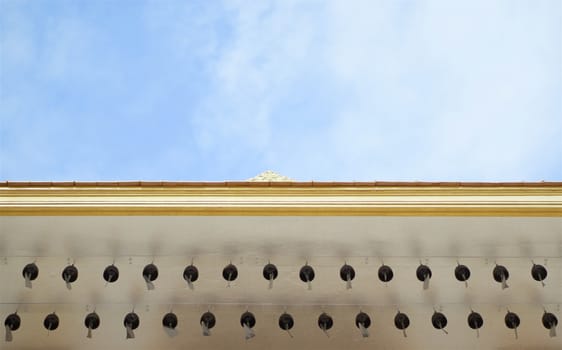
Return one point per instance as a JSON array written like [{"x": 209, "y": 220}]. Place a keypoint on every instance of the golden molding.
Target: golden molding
[
  {"x": 276, "y": 211},
  {"x": 283, "y": 201}
]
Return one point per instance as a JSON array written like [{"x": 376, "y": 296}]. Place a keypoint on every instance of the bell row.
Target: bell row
[
  {"x": 286, "y": 322},
  {"x": 270, "y": 272}
]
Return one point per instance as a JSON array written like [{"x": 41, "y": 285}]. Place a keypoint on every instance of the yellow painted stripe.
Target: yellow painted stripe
[{"x": 280, "y": 211}]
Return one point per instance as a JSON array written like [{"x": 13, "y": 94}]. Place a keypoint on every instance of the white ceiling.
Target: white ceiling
[{"x": 172, "y": 242}]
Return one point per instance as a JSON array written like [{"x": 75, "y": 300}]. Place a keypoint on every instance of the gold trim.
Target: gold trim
[
  {"x": 283, "y": 201},
  {"x": 276, "y": 211}
]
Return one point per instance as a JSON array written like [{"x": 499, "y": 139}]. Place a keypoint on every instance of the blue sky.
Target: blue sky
[{"x": 315, "y": 90}]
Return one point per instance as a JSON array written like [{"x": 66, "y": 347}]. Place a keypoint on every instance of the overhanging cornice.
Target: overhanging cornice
[{"x": 293, "y": 198}]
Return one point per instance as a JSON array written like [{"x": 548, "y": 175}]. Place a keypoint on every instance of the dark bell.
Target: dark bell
[
  {"x": 364, "y": 319},
  {"x": 70, "y": 273},
  {"x": 401, "y": 321},
  {"x": 270, "y": 271},
  {"x": 286, "y": 322},
  {"x": 438, "y": 320},
  {"x": 170, "y": 320},
  {"x": 13, "y": 321},
  {"x": 31, "y": 270},
  {"x": 475, "y": 320},
  {"x": 111, "y": 274},
  {"x": 500, "y": 271},
  {"x": 248, "y": 319},
  {"x": 92, "y": 321},
  {"x": 132, "y": 320},
  {"x": 230, "y": 272},
  {"x": 385, "y": 273},
  {"x": 51, "y": 322},
  {"x": 422, "y": 271},
  {"x": 325, "y": 321},
  {"x": 538, "y": 272},
  {"x": 347, "y": 270},
  {"x": 462, "y": 273},
  {"x": 512, "y": 320},
  {"x": 306, "y": 273},
  {"x": 549, "y": 320},
  {"x": 191, "y": 273},
  {"x": 208, "y": 319},
  {"x": 150, "y": 272}
]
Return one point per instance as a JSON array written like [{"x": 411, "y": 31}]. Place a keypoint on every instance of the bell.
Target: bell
[
  {"x": 270, "y": 273},
  {"x": 207, "y": 322},
  {"x": 190, "y": 275},
  {"x": 347, "y": 274},
  {"x": 475, "y": 321},
  {"x": 363, "y": 321},
  {"x": 51, "y": 322},
  {"x": 401, "y": 321},
  {"x": 286, "y": 322},
  {"x": 539, "y": 273},
  {"x": 230, "y": 273},
  {"x": 170, "y": 322},
  {"x": 385, "y": 273},
  {"x": 111, "y": 274},
  {"x": 131, "y": 322},
  {"x": 30, "y": 273},
  {"x": 150, "y": 274},
  {"x": 306, "y": 275},
  {"x": 70, "y": 275},
  {"x": 439, "y": 321},
  {"x": 92, "y": 321},
  {"x": 462, "y": 274},
  {"x": 512, "y": 321},
  {"x": 248, "y": 321},
  {"x": 12, "y": 323},
  {"x": 501, "y": 275},
  {"x": 423, "y": 273},
  {"x": 325, "y": 322},
  {"x": 549, "y": 321}
]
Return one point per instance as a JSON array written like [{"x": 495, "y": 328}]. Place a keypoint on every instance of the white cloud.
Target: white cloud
[{"x": 425, "y": 90}]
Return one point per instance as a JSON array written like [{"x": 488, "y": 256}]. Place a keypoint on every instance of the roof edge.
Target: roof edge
[{"x": 251, "y": 184}]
